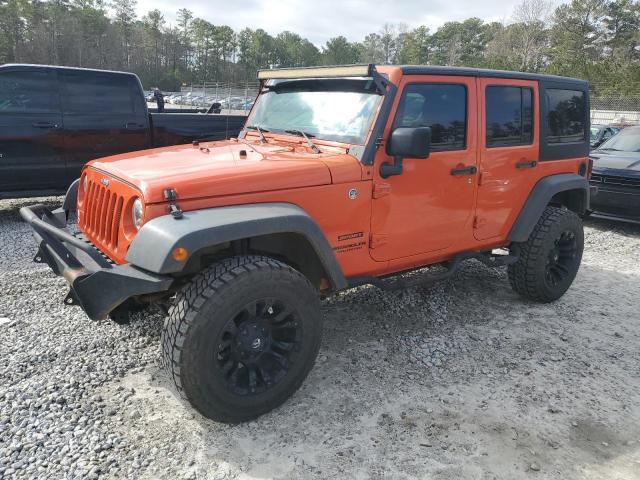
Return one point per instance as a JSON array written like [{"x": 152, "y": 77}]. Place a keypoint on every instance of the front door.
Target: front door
[
  {"x": 426, "y": 207},
  {"x": 508, "y": 153},
  {"x": 31, "y": 138}
]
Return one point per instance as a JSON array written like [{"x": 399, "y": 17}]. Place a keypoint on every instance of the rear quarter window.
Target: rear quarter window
[{"x": 565, "y": 116}]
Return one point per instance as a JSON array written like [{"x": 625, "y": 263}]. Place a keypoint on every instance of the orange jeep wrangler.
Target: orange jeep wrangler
[{"x": 342, "y": 176}]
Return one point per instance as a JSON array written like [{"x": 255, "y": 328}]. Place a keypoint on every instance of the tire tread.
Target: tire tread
[
  {"x": 193, "y": 296},
  {"x": 523, "y": 275}
]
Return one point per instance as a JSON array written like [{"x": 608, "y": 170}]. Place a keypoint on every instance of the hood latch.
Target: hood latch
[{"x": 171, "y": 197}]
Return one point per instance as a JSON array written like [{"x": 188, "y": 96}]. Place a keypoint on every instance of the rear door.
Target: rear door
[
  {"x": 104, "y": 114},
  {"x": 31, "y": 138},
  {"x": 509, "y": 153}
]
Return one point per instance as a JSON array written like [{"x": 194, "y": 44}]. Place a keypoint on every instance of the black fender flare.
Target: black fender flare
[
  {"x": 541, "y": 195},
  {"x": 71, "y": 197},
  {"x": 152, "y": 247}
]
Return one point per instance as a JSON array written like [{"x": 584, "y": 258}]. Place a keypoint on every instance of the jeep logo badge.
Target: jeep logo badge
[{"x": 104, "y": 181}]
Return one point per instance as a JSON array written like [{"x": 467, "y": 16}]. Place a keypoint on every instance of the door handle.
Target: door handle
[
  {"x": 44, "y": 125},
  {"x": 133, "y": 126},
  {"x": 526, "y": 164},
  {"x": 464, "y": 171}
]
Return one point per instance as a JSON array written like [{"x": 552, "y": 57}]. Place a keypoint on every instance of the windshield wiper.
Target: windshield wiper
[
  {"x": 307, "y": 137},
  {"x": 263, "y": 139},
  {"x": 610, "y": 149}
]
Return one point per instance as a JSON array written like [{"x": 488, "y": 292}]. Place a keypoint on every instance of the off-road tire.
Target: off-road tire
[
  {"x": 529, "y": 276},
  {"x": 196, "y": 325}
]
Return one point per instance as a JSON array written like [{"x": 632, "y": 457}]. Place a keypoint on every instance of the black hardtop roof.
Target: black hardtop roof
[
  {"x": 406, "y": 70},
  {"x": 18, "y": 66},
  {"x": 484, "y": 72}
]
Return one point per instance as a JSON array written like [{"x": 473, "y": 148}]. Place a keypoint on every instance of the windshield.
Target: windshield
[
  {"x": 628, "y": 140},
  {"x": 594, "y": 133},
  {"x": 336, "y": 110}
]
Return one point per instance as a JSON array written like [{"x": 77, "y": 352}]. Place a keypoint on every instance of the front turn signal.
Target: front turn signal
[{"x": 180, "y": 254}]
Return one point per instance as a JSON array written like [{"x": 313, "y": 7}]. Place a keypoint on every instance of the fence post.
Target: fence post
[{"x": 246, "y": 95}]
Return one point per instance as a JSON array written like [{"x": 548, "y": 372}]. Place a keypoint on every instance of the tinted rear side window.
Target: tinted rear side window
[
  {"x": 566, "y": 116},
  {"x": 32, "y": 91},
  {"x": 442, "y": 107},
  {"x": 509, "y": 116},
  {"x": 97, "y": 93}
]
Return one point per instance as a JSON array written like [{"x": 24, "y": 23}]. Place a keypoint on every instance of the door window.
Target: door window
[
  {"x": 443, "y": 107},
  {"x": 509, "y": 118},
  {"x": 98, "y": 93},
  {"x": 28, "y": 92}
]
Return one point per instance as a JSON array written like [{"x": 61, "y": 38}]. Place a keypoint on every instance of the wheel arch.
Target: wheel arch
[
  {"x": 573, "y": 199},
  {"x": 567, "y": 190},
  {"x": 281, "y": 230},
  {"x": 292, "y": 248}
]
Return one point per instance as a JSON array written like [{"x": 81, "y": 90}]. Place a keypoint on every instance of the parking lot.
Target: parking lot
[{"x": 462, "y": 379}]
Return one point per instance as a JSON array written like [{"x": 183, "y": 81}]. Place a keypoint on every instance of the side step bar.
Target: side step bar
[{"x": 397, "y": 282}]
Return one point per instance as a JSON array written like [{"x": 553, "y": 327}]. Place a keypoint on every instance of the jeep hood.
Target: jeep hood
[{"x": 228, "y": 168}]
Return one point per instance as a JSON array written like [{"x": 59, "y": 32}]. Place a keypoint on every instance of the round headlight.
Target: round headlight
[{"x": 137, "y": 212}]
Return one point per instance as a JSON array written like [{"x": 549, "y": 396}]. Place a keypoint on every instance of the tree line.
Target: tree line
[{"x": 598, "y": 40}]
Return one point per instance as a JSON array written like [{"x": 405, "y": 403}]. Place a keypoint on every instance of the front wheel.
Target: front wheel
[
  {"x": 241, "y": 337},
  {"x": 549, "y": 260}
]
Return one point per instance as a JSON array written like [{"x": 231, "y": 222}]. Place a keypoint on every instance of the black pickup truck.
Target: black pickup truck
[{"x": 55, "y": 119}]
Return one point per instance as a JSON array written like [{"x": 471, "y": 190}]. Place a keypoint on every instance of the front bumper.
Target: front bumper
[{"x": 97, "y": 285}]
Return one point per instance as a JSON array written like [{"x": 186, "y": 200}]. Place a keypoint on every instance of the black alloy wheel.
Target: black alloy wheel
[
  {"x": 561, "y": 258},
  {"x": 258, "y": 346}
]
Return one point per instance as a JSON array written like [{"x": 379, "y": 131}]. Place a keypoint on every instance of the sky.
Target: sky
[{"x": 320, "y": 20}]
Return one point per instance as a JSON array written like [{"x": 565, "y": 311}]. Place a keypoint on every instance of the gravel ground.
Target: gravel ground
[{"x": 460, "y": 380}]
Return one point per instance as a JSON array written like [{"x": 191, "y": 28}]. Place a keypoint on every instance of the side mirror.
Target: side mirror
[
  {"x": 410, "y": 142},
  {"x": 406, "y": 142}
]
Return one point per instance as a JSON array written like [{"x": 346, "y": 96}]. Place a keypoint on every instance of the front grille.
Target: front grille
[
  {"x": 614, "y": 180},
  {"x": 102, "y": 214}
]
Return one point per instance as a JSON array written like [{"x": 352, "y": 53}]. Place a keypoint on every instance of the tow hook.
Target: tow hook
[{"x": 170, "y": 196}]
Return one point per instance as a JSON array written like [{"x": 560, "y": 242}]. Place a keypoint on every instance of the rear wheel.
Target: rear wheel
[
  {"x": 549, "y": 260},
  {"x": 242, "y": 337}
]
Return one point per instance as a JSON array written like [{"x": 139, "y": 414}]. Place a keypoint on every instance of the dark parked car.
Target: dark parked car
[
  {"x": 55, "y": 119},
  {"x": 616, "y": 174},
  {"x": 601, "y": 133}
]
